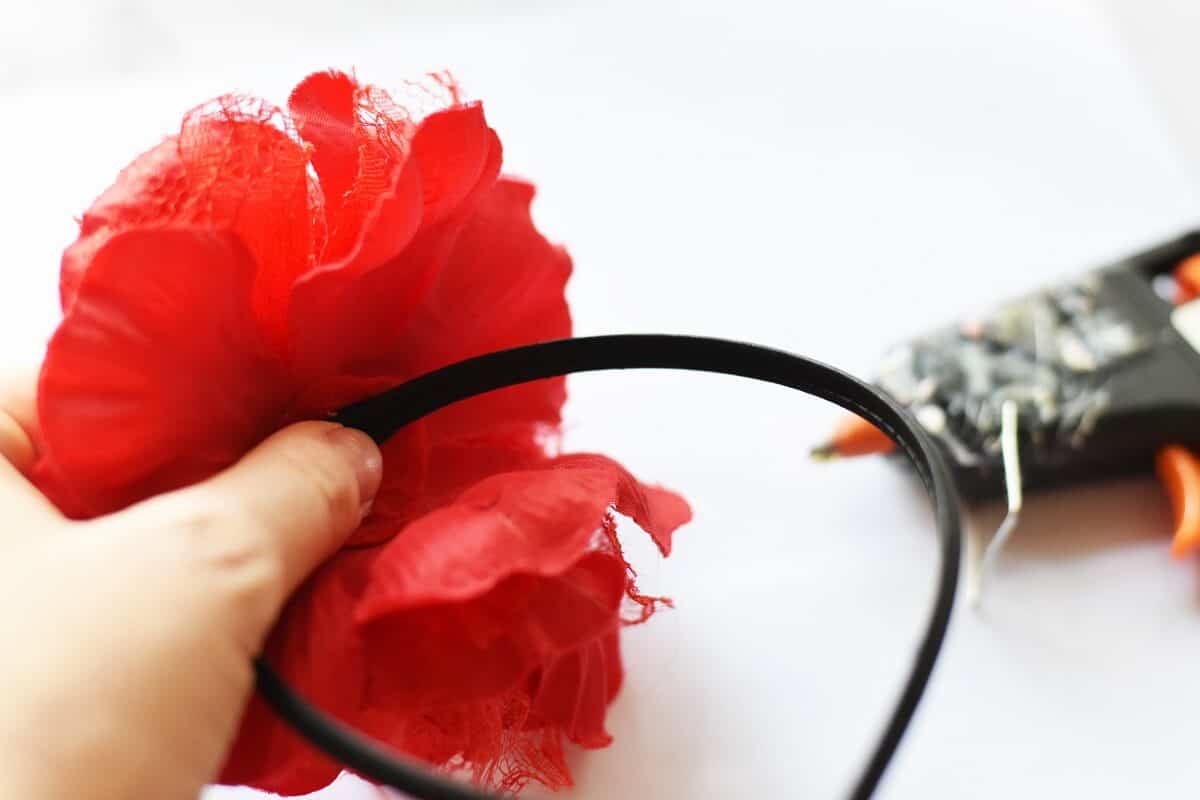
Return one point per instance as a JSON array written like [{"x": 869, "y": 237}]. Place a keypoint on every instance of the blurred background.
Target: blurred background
[{"x": 821, "y": 177}]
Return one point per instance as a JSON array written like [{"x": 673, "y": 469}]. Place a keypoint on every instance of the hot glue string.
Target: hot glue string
[{"x": 381, "y": 416}]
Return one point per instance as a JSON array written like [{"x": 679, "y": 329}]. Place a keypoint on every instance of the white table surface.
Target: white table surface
[{"x": 821, "y": 177}]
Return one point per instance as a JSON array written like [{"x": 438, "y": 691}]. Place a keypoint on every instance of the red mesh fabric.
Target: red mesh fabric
[{"x": 261, "y": 267}]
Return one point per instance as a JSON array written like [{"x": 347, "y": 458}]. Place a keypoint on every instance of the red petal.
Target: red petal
[
  {"x": 147, "y": 192},
  {"x": 230, "y": 168},
  {"x": 614, "y": 679},
  {"x": 454, "y": 150},
  {"x": 657, "y": 511},
  {"x": 382, "y": 173},
  {"x": 158, "y": 376},
  {"x": 323, "y": 106},
  {"x": 360, "y": 152},
  {"x": 514, "y": 573},
  {"x": 452, "y": 157},
  {"x": 574, "y": 692},
  {"x": 536, "y": 522},
  {"x": 387, "y": 227},
  {"x": 348, "y": 317},
  {"x": 480, "y": 648},
  {"x": 419, "y": 478},
  {"x": 502, "y": 286},
  {"x": 490, "y": 737}
]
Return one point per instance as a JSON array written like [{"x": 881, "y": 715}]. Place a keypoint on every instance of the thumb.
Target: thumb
[
  {"x": 284, "y": 508},
  {"x": 301, "y": 493}
]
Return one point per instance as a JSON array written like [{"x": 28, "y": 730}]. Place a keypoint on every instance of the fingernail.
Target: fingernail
[{"x": 368, "y": 463}]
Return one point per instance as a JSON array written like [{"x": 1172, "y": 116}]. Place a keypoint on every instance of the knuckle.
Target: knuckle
[
  {"x": 212, "y": 537},
  {"x": 328, "y": 480}
]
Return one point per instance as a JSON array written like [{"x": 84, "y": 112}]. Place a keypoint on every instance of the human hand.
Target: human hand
[{"x": 128, "y": 639}]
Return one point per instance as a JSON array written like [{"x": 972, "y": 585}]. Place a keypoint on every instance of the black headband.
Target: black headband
[{"x": 382, "y": 415}]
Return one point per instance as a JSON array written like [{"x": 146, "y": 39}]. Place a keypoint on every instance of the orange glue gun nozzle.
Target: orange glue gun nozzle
[{"x": 854, "y": 436}]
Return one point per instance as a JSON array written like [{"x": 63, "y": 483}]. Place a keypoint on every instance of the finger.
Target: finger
[
  {"x": 18, "y": 417},
  {"x": 18, "y": 449},
  {"x": 302, "y": 492},
  {"x": 16, "y": 445},
  {"x": 291, "y": 502}
]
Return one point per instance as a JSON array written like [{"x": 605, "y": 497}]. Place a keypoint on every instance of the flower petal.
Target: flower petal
[
  {"x": 382, "y": 172},
  {"x": 361, "y": 145},
  {"x": 502, "y": 286},
  {"x": 348, "y": 316},
  {"x": 452, "y": 158},
  {"x": 574, "y": 691},
  {"x": 480, "y": 648},
  {"x": 454, "y": 150},
  {"x": 323, "y": 107},
  {"x": 497, "y": 740},
  {"x": 419, "y": 478},
  {"x": 514, "y": 573},
  {"x": 537, "y": 522},
  {"x": 146, "y": 193},
  {"x": 658, "y": 511},
  {"x": 232, "y": 167},
  {"x": 158, "y": 375}
]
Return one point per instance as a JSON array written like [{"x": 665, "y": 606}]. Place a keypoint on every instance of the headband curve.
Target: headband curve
[{"x": 384, "y": 414}]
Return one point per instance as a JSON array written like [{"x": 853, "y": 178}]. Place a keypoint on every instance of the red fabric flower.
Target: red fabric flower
[{"x": 262, "y": 267}]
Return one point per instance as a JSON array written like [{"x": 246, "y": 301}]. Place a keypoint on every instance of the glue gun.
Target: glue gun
[{"x": 1092, "y": 378}]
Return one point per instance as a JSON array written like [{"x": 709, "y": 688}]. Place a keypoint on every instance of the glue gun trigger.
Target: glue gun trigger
[{"x": 1179, "y": 470}]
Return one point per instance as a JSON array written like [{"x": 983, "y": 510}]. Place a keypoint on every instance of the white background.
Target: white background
[{"x": 821, "y": 177}]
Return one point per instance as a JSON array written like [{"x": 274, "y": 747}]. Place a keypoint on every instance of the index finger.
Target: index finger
[
  {"x": 18, "y": 416},
  {"x": 18, "y": 446}
]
